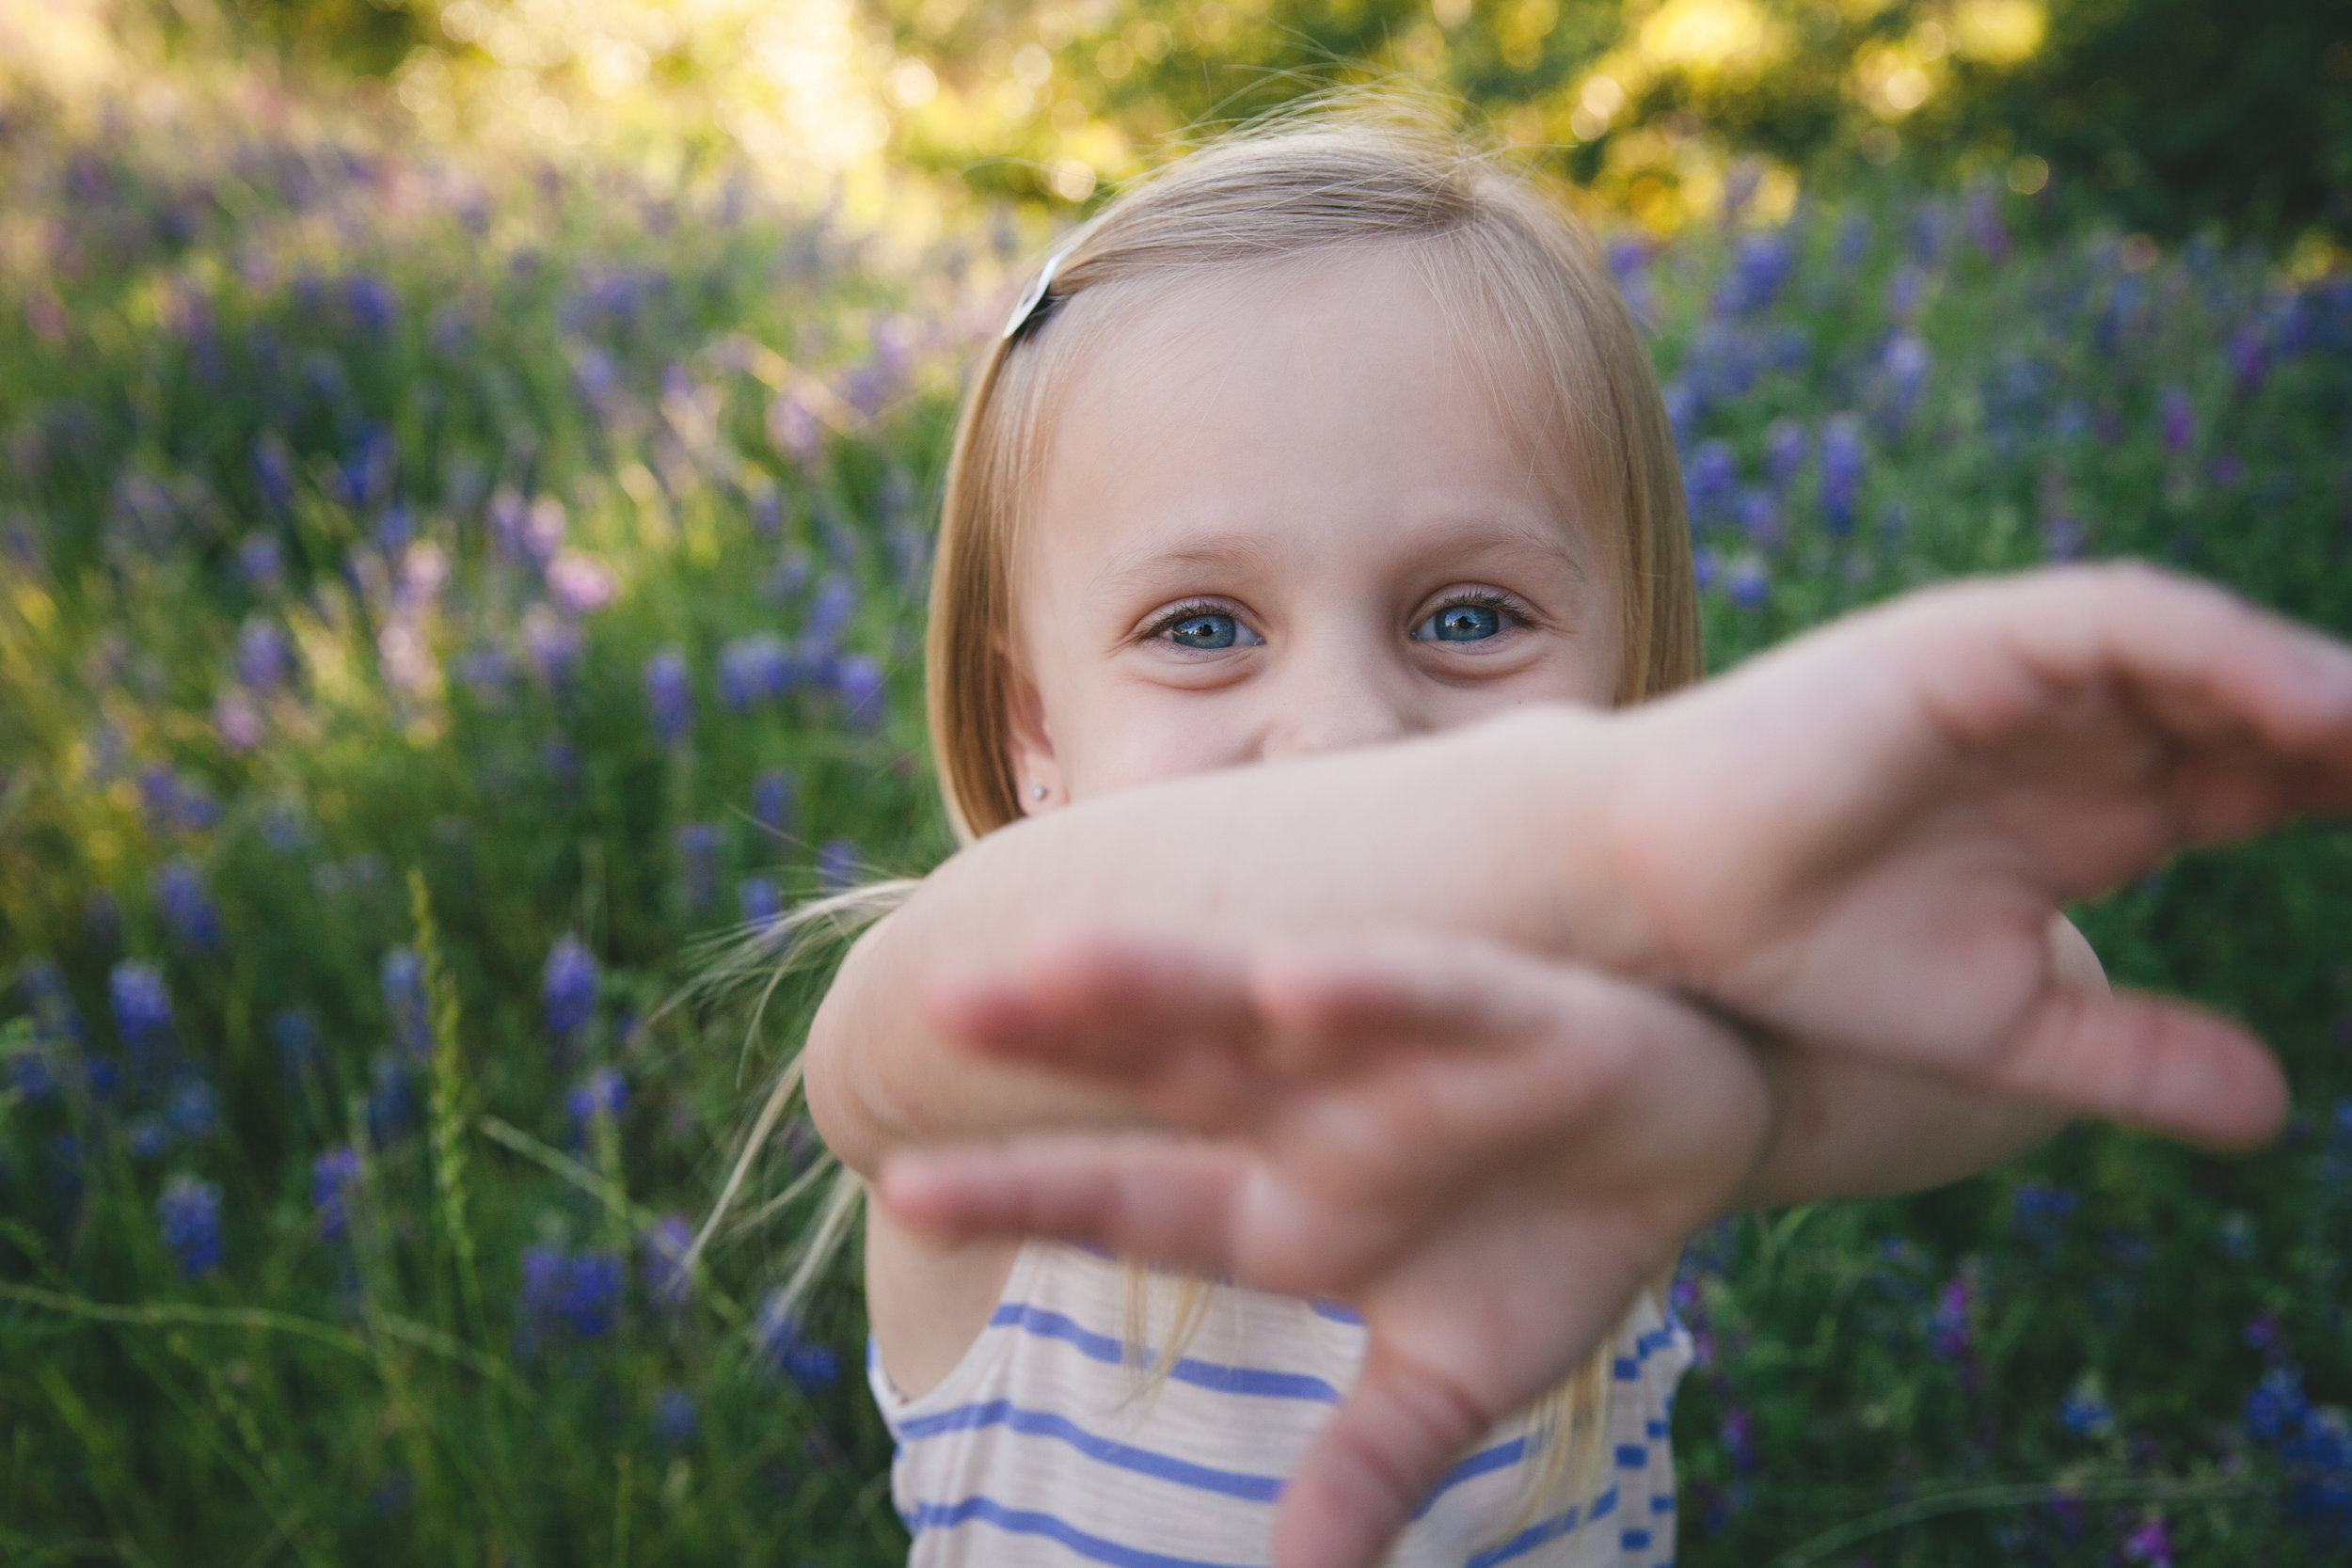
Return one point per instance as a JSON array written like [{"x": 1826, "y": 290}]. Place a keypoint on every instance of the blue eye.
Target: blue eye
[
  {"x": 1461, "y": 622},
  {"x": 1205, "y": 630}
]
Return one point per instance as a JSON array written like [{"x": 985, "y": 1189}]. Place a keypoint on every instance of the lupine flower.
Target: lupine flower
[
  {"x": 773, "y": 794},
  {"x": 1712, "y": 480},
  {"x": 669, "y": 695},
  {"x": 1738, "y": 1439},
  {"x": 698, "y": 858},
  {"x": 189, "y": 1214},
  {"x": 2249, "y": 356},
  {"x": 372, "y": 306},
  {"x": 753, "y": 670},
  {"x": 569, "y": 988},
  {"x": 1905, "y": 364},
  {"x": 1707, "y": 567},
  {"x": 402, "y": 979},
  {"x": 1758, "y": 269},
  {"x": 189, "y": 1109},
  {"x": 602, "y": 1093},
  {"x": 237, "y": 722},
  {"x": 662, "y": 1258},
  {"x": 142, "y": 1007},
  {"x": 1841, "y": 470},
  {"x": 260, "y": 562},
  {"x": 793, "y": 427},
  {"x": 836, "y": 864},
  {"x": 1759, "y": 518},
  {"x": 812, "y": 1367},
  {"x": 554, "y": 645},
  {"x": 508, "y": 515},
  {"x": 274, "y": 471},
  {"x": 2085, "y": 1412},
  {"x": 759, "y": 900},
  {"x": 2177, "y": 419},
  {"x": 582, "y": 583},
  {"x": 2150, "y": 1544},
  {"x": 1948, "y": 1330},
  {"x": 1982, "y": 217},
  {"x": 579, "y": 1293},
  {"x": 2039, "y": 1212},
  {"x": 830, "y": 613},
  {"x": 674, "y": 1419},
  {"x": 392, "y": 1105},
  {"x": 1748, "y": 582},
  {"x": 393, "y": 526},
  {"x": 767, "y": 504},
  {"x": 296, "y": 1034},
  {"x": 864, "y": 698},
  {"x": 333, "y": 1174},
  {"x": 1786, "y": 447},
  {"x": 187, "y": 906},
  {"x": 543, "y": 530}
]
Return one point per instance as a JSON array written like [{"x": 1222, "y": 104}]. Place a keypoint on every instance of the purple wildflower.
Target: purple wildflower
[
  {"x": 554, "y": 644},
  {"x": 662, "y": 1258},
  {"x": 812, "y": 1366},
  {"x": 296, "y": 1033},
  {"x": 333, "y": 1174},
  {"x": 1748, "y": 582},
  {"x": 2177, "y": 418},
  {"x": 2039, "y": 1212},
  {"x": 274, "y": 472},
  {"x": 864, "y": 698},
  {"x": 569, "y": 988},
  {"x": 582, "y": 583},
  {"x": 830, "y": 613},
  {"x": 237, "y": 722},
  {"x": 402, "y": 979},
  {"x": 1739, "y": 1439},
  {"x": 759, "y": 900},
  {"x": 698, "y": 860},
  {"x": 1841, "y": 471},
  {"x": 187, "y": 905},
  {"x": 2085, "y": 1411},
  {"x": 669, "y": 695},
  {"x": 836, "y": 864},
  {"x": 261, "y": 560},
  {"x": 2150, "y": 1544},
  {"x": 1759, "y": 518},
  {"x": 674, "y": 1419},
  {"x": 753, "y": 670},
  {"x": 1786, "y": 447},
  {"x": 1948, "y": 1329},
  {"x": 189, "y": 1215},
  {"x": 602, "y": 1093},
  {"x": 1712, "y": 480},
  {"x": 793, "y": 427},
  {"x": 2249, "y": 360},
  {"x": 773, "y": 794}
]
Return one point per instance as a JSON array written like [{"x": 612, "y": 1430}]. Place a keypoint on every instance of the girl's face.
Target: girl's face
[{"x": 1280, "y": 513}]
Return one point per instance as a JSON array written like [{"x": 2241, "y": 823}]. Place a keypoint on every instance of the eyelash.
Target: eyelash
[{"x": 1495, "y": 599}]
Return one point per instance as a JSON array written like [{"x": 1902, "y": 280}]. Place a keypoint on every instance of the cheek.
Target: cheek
[{"x": 1142, "y": 734}]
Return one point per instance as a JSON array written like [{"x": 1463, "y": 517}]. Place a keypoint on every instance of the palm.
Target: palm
[
  {"x": 1861, "y": 838},
  {"x": 1377, "y": 1129}
]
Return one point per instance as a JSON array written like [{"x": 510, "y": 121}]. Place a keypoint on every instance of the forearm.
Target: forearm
[{"x": 1474, "y": 834}]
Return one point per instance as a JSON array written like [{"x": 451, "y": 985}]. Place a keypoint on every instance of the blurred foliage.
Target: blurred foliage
[{"x": 2167, "y": 114}]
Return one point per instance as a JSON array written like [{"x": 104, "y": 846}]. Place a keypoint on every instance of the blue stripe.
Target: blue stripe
[
  {"x": 1657, "y": 1430},
  {"x": 1015, "y": 1521},
  {"x": 1124, "y": 1456},
  {"x": 1201, "y": 1374},
  {"x": 1634, "y": 1541},
  {"x": 1662, "y": 1504},
  {"x": 1632, "y": 1456},
  {"x": 1544, "y": 1531},
  {"x": 1334, "y": 1310},
  {"x": 1501, "y": 1457}
]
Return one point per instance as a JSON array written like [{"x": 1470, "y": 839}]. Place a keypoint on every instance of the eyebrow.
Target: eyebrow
[{"x": 1148, "y": 566}]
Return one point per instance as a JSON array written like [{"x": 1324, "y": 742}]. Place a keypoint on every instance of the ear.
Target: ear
[{"x": 1029, "y": 745}]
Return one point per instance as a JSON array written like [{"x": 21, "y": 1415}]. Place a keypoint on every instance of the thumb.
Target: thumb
[
  {"x": 2153, "y": 1062},
  {"x": 1366, "y": 1473}
]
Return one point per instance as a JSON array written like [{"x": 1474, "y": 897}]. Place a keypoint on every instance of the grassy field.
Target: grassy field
[{"x": 442, "y": 596}]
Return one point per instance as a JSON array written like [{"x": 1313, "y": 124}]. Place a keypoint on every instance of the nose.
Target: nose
[{"x": 1330, "y": 700}]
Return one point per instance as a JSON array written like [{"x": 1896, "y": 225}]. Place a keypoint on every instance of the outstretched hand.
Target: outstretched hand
[
  {"x": 1380, "y": 1126},
  {"x": 1860, "y": 838}
]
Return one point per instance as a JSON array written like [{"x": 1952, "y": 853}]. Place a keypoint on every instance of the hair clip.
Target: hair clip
[{"x": 1037, "y": 299}]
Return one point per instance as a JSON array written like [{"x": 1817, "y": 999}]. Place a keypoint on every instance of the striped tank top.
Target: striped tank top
[{"x": 1038, "y": 1448}]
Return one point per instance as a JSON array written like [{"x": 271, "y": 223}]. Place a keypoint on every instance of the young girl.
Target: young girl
[{"x": 1332, "y": 449}]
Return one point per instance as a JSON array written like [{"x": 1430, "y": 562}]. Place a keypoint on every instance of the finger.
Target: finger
[
  {"x": 2155, "y": 1063},
  {"x": 1334, "y": 1010},
  {"x": 1154, "y": 1198},
  {"x": 1109, "y": 1005},
  {"x": 1382, "y": 1451}
]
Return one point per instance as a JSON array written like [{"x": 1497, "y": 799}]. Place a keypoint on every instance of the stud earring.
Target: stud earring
[{"x": 1037, "y": 792}]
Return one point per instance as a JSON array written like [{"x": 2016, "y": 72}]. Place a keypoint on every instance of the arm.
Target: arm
[
  {"x": 1342, "y": 845},
  {"x": 1846, "y": 1126}
]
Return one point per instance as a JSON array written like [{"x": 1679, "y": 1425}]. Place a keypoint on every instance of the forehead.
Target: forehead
[{"x": 1247, "y": 410}]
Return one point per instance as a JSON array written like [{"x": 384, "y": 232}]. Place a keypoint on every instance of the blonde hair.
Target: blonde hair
[{"x": 1527, "y": 287}]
